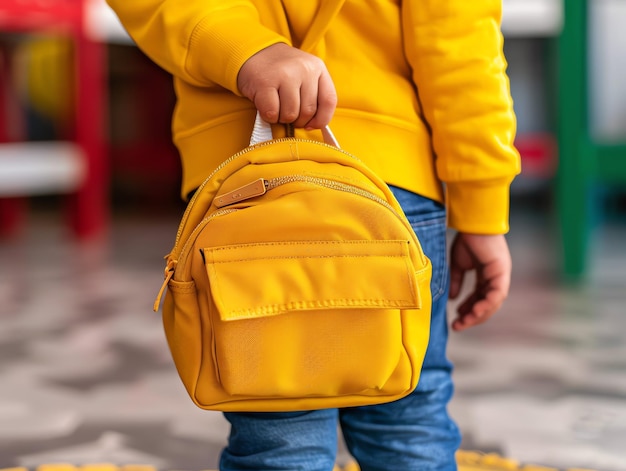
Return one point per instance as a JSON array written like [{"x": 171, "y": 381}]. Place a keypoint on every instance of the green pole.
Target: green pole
[{"x": 573, "y": 178}]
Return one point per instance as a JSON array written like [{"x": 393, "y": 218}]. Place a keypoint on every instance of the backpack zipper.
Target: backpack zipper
[
  {"x": 261, "y": 186},
  {"x": 237, "y": 155}
]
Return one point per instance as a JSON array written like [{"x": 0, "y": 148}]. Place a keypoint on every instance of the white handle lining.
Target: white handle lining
[{"x": 262, "y": 132}]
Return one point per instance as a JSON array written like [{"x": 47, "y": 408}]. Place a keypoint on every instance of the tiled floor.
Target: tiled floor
[{"x": 85, "y": 375}]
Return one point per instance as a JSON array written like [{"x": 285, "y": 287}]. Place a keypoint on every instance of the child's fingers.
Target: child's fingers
[
  {"x": 267, "y": 102},
  {"x": 326, "y": 102}
]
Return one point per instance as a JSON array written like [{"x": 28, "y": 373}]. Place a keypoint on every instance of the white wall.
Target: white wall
[{"x": 607, "y": 61}]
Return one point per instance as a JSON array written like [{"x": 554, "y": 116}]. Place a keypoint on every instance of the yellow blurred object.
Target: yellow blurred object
[
  {"x": 99, "y": 467},
  {"x": 113, "y": 467},
  {"x": 46, "y": 77},
  {"x": 57, "y": 467},
  {"x": 477, "y": 461},
  {"x": 351, "y": 467},
  {"x": 496, "y": 461}
]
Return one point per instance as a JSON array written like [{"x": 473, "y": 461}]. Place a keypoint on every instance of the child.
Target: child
[{"x": 417, "y": 89}]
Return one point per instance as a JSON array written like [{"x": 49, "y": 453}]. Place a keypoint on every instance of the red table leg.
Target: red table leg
[
  {"x": 89, "y": 207},
  {"x": 12, "y": 210}
]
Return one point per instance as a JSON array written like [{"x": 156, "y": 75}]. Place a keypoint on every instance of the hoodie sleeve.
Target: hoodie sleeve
[
  {"x": 203, "y": 42},
  {"x": 455, "y": 50}
]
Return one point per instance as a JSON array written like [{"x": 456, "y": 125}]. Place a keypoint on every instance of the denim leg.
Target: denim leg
[
  {"x": 293, "y": 441},
  {"x": 414, "y": 433}
]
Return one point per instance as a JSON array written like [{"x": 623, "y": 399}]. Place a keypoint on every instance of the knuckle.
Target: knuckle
[
  {"x": 269, "y": 115},
  {"x": 285, "y": 75},
  {"x": 328, "y": 100},
  {"x": 311, "y": 65},
  {"x": 316, "y": 62},
  {"x": 288, "y": 116},
  {"x": 308, "y": 110},
  {"x": 246, "y": 91}
]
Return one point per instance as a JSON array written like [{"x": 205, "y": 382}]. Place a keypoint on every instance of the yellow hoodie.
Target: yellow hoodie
[{"x": 423, "y": 97}]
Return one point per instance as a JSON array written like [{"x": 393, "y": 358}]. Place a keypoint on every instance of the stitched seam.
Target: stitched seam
[
  {"x": 309, "y": 242},
  {"x": 298, "y": 257},
  {"x": 338, "y": 302}
]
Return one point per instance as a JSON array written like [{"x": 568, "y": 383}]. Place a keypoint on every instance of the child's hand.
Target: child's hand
[
  {"x": 288, "y": 85},
  {"x": 489, "y": 256}
]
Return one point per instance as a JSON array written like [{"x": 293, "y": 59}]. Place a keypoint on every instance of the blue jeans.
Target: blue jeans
[{"x": 411, "y": 434}]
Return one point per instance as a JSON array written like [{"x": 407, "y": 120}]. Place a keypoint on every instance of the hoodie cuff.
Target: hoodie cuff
[{"x": 479, "y": 207}]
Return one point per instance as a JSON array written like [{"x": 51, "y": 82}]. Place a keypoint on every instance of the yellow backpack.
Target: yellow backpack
[{"x": 295, "y": 283}]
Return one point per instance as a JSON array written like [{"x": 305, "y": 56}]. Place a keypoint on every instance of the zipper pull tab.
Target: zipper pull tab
[
  {"x": 256, "y": 188},
  {"x": 169, "y": 272}
]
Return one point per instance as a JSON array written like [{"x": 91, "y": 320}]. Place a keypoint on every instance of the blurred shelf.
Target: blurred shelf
[
  {"x": 37, "y": 168},
  {"x": 78, "y": 168},
  {"x": 102, "y": 24},
  {"x": 532, "y": 18}
]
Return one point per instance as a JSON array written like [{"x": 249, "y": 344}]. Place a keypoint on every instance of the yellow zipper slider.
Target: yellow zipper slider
[
  {"x": 250, "y": 190},
  {"x": 169, "y": 272}
]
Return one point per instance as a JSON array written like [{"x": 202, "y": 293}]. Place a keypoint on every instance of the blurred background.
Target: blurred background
[{"x": 89, "y": 206}]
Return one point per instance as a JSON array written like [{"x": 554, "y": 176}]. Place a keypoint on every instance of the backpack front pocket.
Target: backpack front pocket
[{"x": 306, "y": 318}]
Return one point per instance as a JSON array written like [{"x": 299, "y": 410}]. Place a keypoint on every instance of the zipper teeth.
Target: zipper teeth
[
  {"x": 332, "y": 184},
  {"x": 197, "y": 229},
  {"x": 335, "y": 185},
  {"x": 235, "y": 156}
]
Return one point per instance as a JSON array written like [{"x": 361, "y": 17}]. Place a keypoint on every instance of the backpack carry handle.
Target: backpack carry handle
[{"x": 262, "y": 132}]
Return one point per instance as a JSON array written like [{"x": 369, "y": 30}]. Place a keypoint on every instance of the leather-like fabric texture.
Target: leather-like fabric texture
[{"x": 296, "y": 283}]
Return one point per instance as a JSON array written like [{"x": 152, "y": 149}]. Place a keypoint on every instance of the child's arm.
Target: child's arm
[
  {"x": 455, "y": 50},
  {"x": 203, "y": 42}
]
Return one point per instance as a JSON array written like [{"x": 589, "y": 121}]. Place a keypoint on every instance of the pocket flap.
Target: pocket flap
[{"x": 258, "y": 280}]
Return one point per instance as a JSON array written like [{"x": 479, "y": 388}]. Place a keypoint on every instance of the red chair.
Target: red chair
[{"x": 77, "y": 167}]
